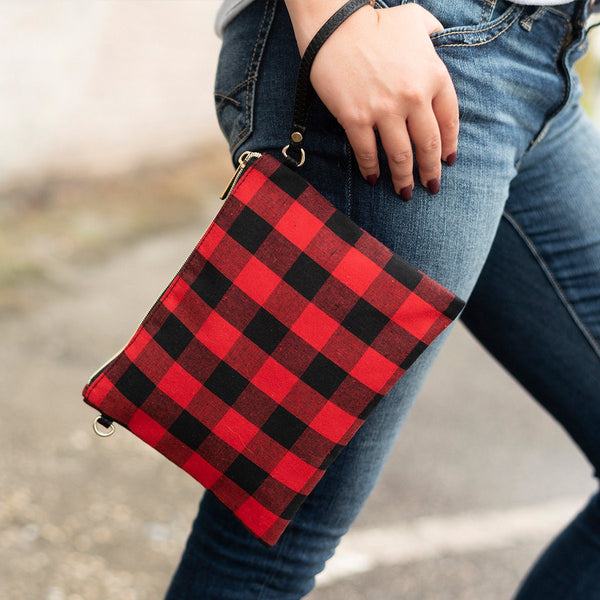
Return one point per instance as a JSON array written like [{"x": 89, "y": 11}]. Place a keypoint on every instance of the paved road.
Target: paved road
[{"x": 477, "y": 483}]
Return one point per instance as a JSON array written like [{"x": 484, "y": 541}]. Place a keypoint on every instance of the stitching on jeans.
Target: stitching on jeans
[
  {"x": 281, "y": 547},
  {"x": 546, "y": 127},
  {"x": 559, "y": 291},
  {"x": 232, "y": 91},
  {"x": 527, "y": 22},
  {"x": 487, "y": 4},
  {"x": 245, "y": 129},
  {"x": 560, "y": 12},
  {"x": 534, "y": 142},
  {"x": 467, "y": 31},
  {"x": 566, "y": 31},
  {"x": 252, "y": 74},
  {"x": 225, "y": 98},
  {"x": 348, "y": 187}
]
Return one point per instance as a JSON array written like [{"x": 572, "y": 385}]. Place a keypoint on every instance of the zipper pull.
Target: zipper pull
[{"x": 242, "y": 164}]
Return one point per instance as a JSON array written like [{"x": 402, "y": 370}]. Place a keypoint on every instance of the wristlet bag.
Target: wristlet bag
[{"x": 279, "y": 335}]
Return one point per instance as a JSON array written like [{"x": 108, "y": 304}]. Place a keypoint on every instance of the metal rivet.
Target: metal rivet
[{"x": 297, "y": 137}]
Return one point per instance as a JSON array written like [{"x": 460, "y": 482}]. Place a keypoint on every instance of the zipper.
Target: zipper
[
  {"x": 104, "y": 365},
  {"x": 245, "y": 159}
]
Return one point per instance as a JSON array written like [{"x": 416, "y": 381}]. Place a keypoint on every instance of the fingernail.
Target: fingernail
[
  {"x": 451, "y": 159},
  {"x": 406, "y": 193},
  {"x": 372, "y": 179},
  {"x": 433, "y": 185}
]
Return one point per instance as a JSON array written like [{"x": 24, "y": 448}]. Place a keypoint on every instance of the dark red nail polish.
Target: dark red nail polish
[
  {"x": 451, "y": 159},
  {"x": 406, "y": 193},
  {"x": 372, "y": 179},
  {"x": 433, "y": 185}
]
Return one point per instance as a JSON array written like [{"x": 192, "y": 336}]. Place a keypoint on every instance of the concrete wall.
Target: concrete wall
[
  {"x": 101, "y": 85},
  {"x": 92, "y": 86}
]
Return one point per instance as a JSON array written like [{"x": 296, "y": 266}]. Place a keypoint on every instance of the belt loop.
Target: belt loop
[
  {"x": 581, "y": 15},
  {"x": 527, "y": 21},
  {"x": 488, "y": 10},
  {"x": 582, "y": 12}
]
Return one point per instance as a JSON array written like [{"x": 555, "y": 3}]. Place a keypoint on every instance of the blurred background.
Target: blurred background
[{"x": 110, "y": 170}]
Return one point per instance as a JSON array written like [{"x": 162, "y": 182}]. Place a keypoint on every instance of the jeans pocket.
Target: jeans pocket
[
  {"x": 466, "y": 22},
  {"x": 494, "y": 19},
  {"x": 244, "y": 40}
]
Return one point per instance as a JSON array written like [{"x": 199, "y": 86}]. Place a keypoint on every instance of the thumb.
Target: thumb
[{"x": 431, "y": 23}]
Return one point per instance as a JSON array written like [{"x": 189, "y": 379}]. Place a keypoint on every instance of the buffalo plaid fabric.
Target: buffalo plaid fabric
[{"x": 280, "y": 334}]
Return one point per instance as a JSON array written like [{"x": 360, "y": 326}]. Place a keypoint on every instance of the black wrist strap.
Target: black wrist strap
[{"x": 294, "y": 152}]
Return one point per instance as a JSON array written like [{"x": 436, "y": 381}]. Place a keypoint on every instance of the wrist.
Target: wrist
[{"x": 308, "y": 16}]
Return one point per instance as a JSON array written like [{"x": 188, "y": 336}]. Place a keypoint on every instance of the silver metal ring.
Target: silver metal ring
[
  {"x": 302, "y": 155},
  {"x": 105, "y": 431}
]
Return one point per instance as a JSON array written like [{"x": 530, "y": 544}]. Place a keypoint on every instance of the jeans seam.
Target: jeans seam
[
  {"x": 280, "y": 548},
  {"x": 553, "y": 282},
  {"x": 349, "y": 200},
  {"x": 543, "y": 131},
  {"x": 227, "y": 97},
  {"x": 253, "y": 68},
  {"x": 567, "y": 28}
]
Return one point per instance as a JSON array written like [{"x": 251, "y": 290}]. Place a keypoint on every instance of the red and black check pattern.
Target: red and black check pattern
[{"x": 280, "y": 334}]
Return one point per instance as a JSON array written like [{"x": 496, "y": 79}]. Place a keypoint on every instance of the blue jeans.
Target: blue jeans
[{"x": 515, "y": 230}]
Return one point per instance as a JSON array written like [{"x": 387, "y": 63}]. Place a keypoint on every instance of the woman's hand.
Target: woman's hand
[{"x": 380, "y": 71}]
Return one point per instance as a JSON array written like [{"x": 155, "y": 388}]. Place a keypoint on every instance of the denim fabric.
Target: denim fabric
[
  {"x": 515, "y": 230},
  {"x": 229, "y": 9}
]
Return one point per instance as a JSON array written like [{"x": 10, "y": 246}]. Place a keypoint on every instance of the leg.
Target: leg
[
  {"x": 536, "y": 307},
  {"x": 448, "y": 237}
]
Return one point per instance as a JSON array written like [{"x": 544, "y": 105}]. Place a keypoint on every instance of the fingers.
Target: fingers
[
  {"x": 381, "y": 73},
  {"x": 433, "y": 130},
  {"x": 433, "y": 127},
  {"x": 396, "y": 143},
  {"x": 425, "y": 134},
  {"x": 445, "y": 108},
  {"x": 363, "y": 142}
]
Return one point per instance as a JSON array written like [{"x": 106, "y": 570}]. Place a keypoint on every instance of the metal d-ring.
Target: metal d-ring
[
  {"x": 302, "y": 155},
  {"x": 108, "y": 431}
]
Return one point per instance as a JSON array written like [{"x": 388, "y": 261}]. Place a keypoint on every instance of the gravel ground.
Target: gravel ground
[{"x": 88, "y": 519}]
